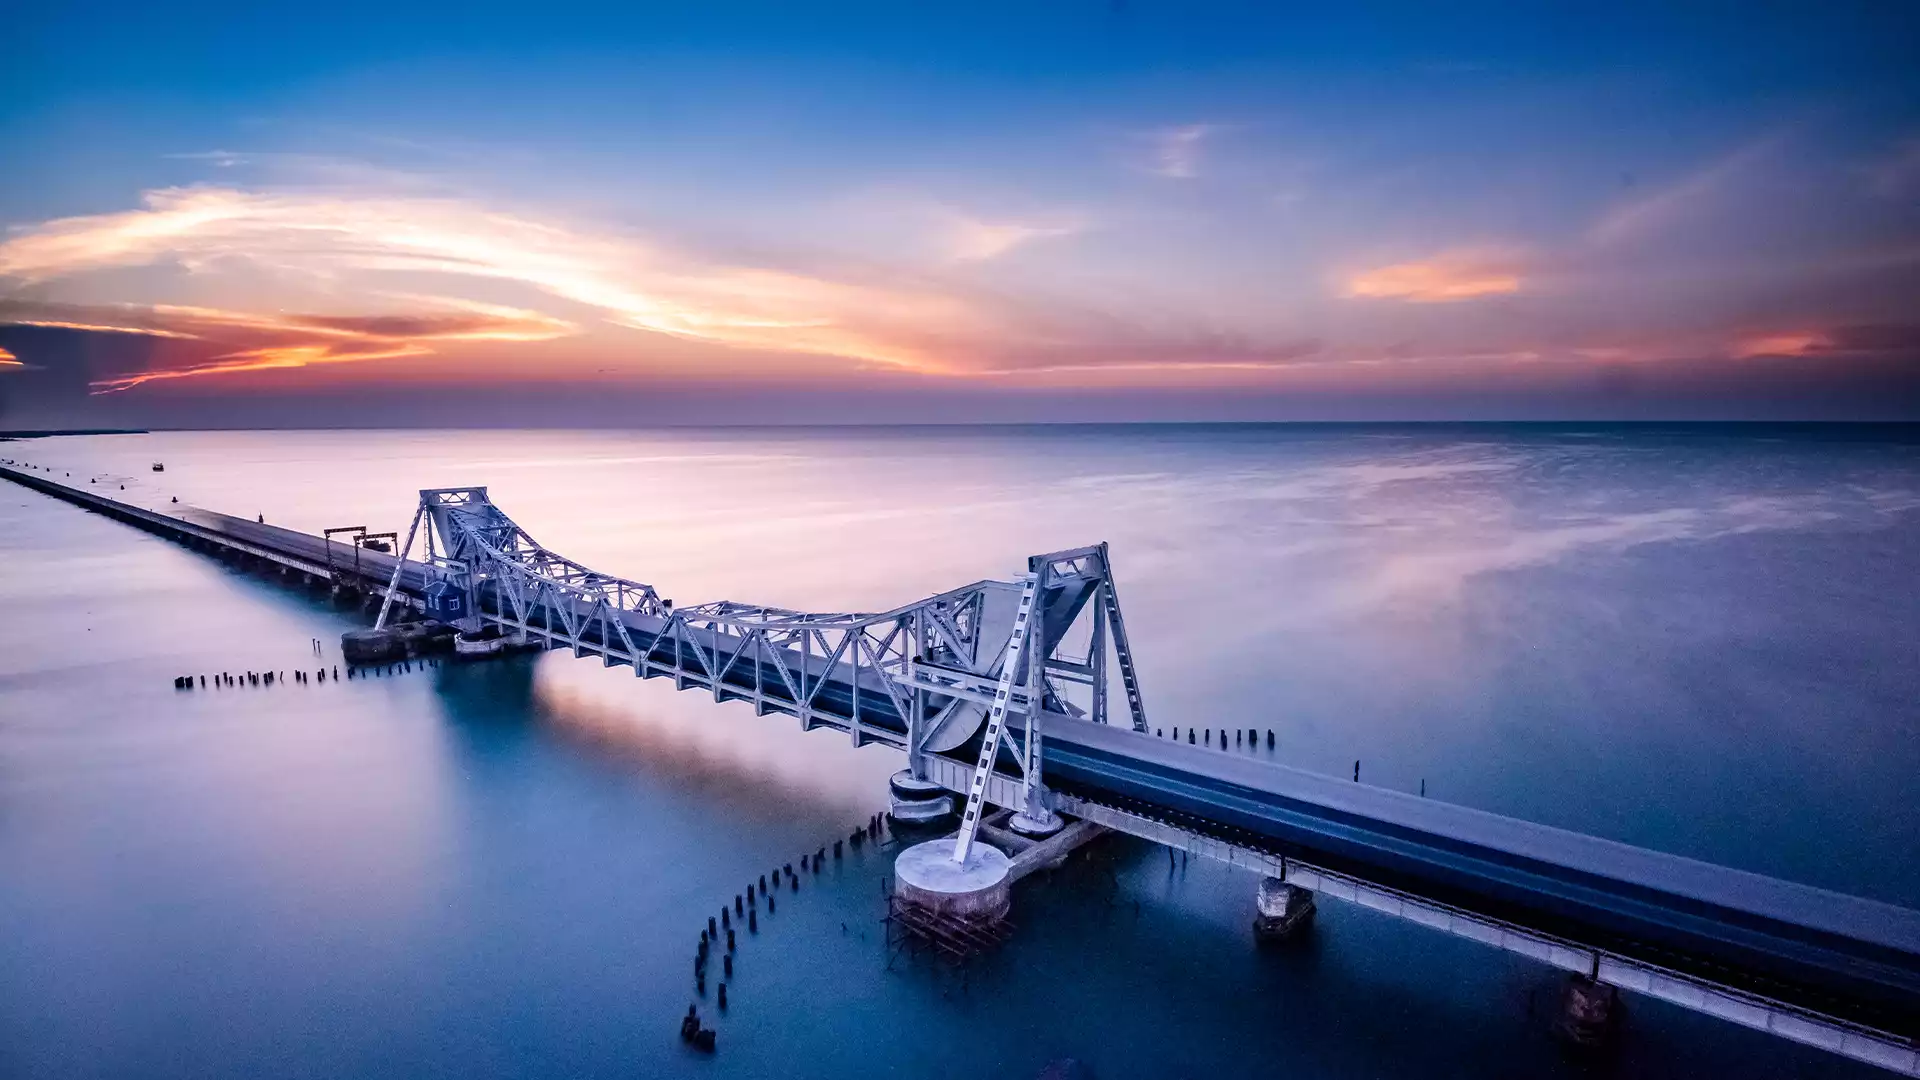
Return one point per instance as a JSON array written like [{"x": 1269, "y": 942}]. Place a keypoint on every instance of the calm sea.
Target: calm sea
[{"x": 1704, "y": 640}]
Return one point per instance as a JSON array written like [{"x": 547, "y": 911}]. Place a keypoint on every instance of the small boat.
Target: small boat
[{"x": 158, "y": 467}]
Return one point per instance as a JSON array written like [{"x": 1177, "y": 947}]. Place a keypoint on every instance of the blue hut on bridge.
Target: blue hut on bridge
[{"x": 446, "y": 602}]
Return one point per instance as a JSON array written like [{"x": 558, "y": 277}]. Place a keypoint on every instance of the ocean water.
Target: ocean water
[{"x": 1700, "y": 639}]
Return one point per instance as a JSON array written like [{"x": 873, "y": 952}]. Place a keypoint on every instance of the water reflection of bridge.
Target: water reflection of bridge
[{"x": 1817, "y": 967}]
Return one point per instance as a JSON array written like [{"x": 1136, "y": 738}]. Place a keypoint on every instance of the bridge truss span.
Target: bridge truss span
[{"x": 921, "y": 677}]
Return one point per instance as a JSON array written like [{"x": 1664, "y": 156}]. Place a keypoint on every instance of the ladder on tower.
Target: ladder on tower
[
  {"x": 1124, "y": 652},
  {"x": 997, "y": 720}
]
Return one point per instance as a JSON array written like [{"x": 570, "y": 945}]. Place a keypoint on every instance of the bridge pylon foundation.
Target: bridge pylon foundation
[
  {"x": 1284, "y": 910},
  {"x": 916, "y": 801},
  {"x": 1036, "y": 825},
  {"x": 1589, "y": 1013},
  {"x": 395, "y": 642},
  {"x": 978, "y": 890}
]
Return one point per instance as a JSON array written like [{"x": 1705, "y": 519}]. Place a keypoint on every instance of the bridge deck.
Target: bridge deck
[{"x": 1855, "y": 957}]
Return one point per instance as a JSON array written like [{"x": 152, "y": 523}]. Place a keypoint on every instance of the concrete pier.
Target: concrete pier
[
  {"x": 926, "y": 877},
  {"x": 396, "y": 642},
  {"x": 916, "y": 801},
  {"x": 480, "y": 644},
  {"x": 1036, "y": 824},
  {"x": 1284, "y": 910},
  {"x": 1051, "y": 852},
  {"x": 1589, "y": 1013}
]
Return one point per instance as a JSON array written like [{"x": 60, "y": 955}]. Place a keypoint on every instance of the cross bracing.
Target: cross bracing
[{"x": 921, "y": 677}]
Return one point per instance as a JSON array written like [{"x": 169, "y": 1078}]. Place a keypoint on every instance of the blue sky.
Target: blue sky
[{"x": 1083, "y": 211}]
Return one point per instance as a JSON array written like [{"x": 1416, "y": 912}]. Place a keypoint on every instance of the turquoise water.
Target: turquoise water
[{"x": 1703, "y": 640}]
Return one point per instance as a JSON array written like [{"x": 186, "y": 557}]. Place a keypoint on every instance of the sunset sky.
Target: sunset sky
[{"x": 901, "y": 213}]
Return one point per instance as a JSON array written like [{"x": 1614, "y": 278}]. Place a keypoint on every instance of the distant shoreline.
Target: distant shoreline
[
  {"x": 9, "y": 435},
  {"x": 1908, "y": 425}
]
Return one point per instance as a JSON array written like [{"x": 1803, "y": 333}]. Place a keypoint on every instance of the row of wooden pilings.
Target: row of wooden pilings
[
  {"x": 264, "y": 679},
  {"x": 746, "y": 908}
]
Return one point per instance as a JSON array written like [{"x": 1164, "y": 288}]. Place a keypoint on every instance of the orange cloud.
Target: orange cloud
[
  {"x": 255, "y": 342},
  {"x": 1445, "y": 278},
  {"x": 1787, "y": 343},
  {"x": 461, "y": 320},
  {"x": 264, "y": 359},
  {"x": 98, "y": 328},
  {"x": 340, "y": 243},
  {"x": 8, "y": 360},
  {"x": 631, "y": 283}
]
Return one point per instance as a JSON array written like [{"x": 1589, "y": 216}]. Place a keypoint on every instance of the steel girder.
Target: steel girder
[{"x": 921, "y": 677}]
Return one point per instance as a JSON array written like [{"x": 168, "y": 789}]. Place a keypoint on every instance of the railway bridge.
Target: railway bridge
[{"x": 1022, "y": 694}]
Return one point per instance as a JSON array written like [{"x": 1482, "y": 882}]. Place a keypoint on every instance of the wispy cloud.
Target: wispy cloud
[
  {"x": 268, "y": 358},
  {"x": 444, "y": 319},
  {"x": 1852, "y": 340},
  {"x": 1779, "y": 343},
  {"x": 1898, "y": 173},
  {"x": 631, "y": 283},
  {"x": 1655, "y": 210},
  {"x": 229, "y": 342},
  {"x": 973, "y": 240},
  {"x": 224, "y": 159},
  {"x": 1448, "y": 277},
  {"x": 1175, "y": 152},
  {"x": 370, "y": 246},
  {"x": 1196, "y": 353},
  {"x": 91, "y": 327},
  {"x": 8, "y": 360}
]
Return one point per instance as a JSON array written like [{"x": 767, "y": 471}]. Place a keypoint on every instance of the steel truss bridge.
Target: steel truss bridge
[
  {"x": 1001, "y": 691},
  {"x": 920, "y": 678}
]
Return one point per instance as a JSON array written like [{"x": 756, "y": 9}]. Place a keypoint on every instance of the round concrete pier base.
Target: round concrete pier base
[
  {"x": 905, "y": 785},
  {"x": 920, "y": 811},
  {"x": 926, "y": 876},
  {"x": 1037, "y": 826},
  {"x": 915, "y": 801}
]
